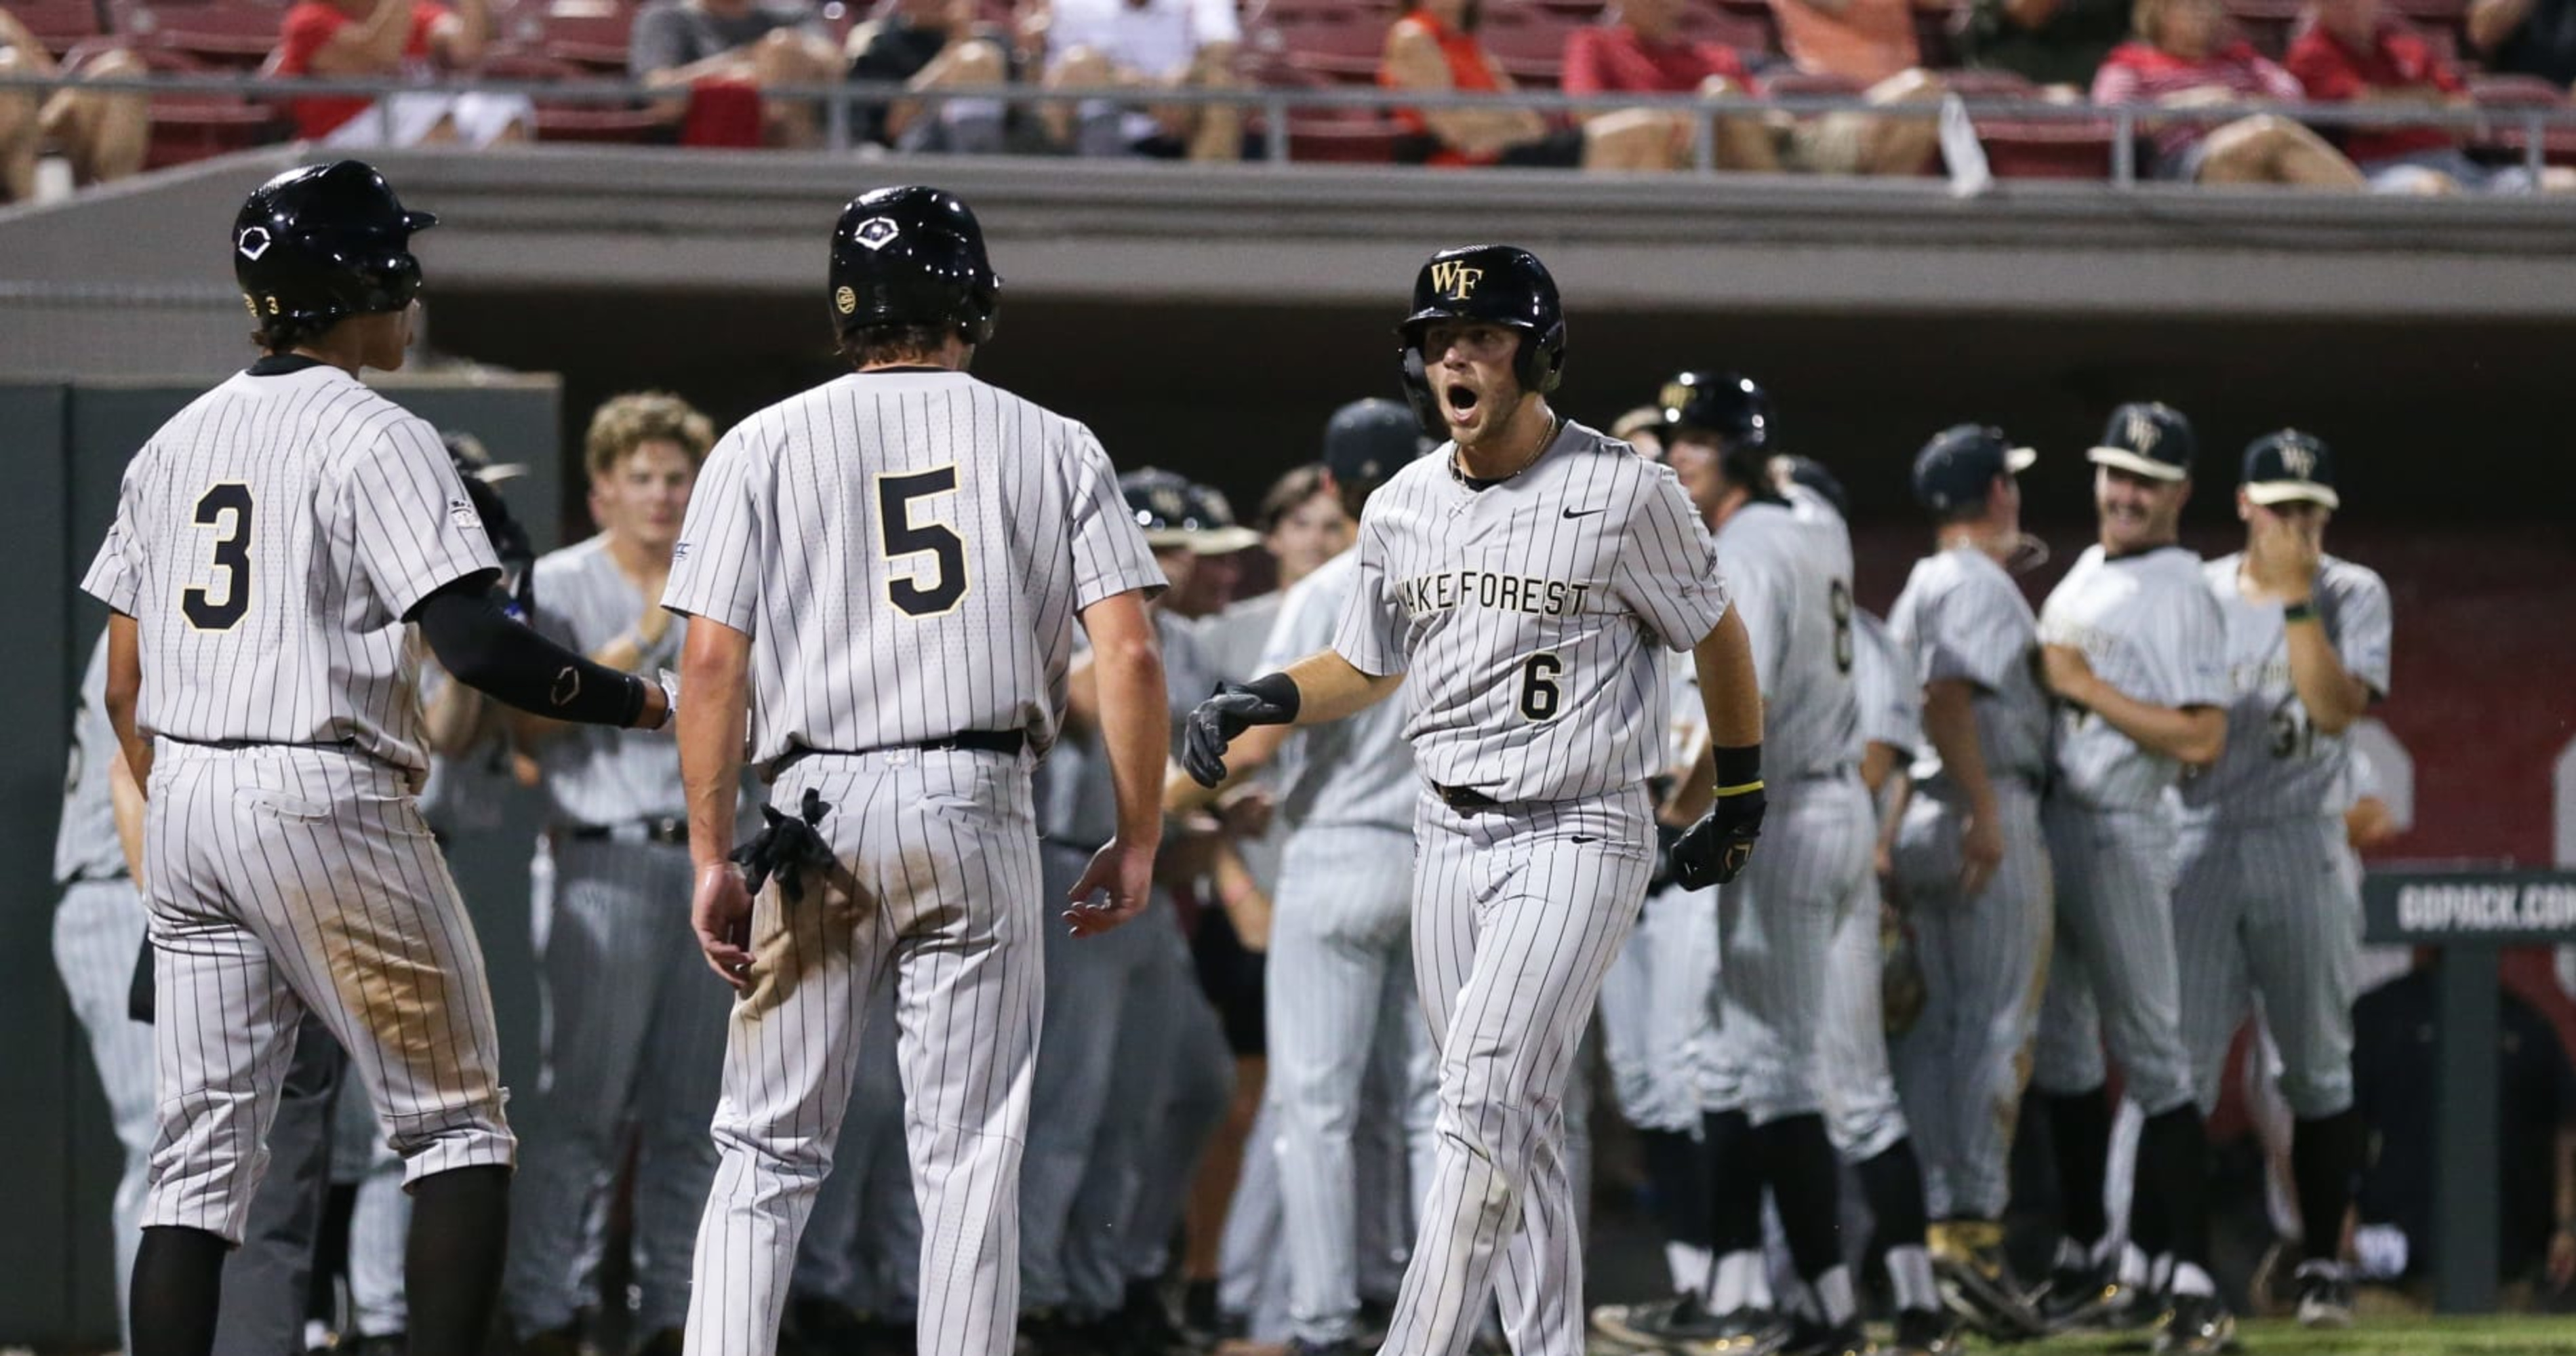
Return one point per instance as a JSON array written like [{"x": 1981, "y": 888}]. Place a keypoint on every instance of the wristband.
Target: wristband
[
  {"x": 634, "y": 701},
  {"x": 2303, "y": 610},
  {"x": 1279, "y": 690},
  {"x": 1739, "y": 770}
]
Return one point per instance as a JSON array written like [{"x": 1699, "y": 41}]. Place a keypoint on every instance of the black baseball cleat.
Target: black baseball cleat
[
  {"x": 1977, "y": 1283},
  {"x": 1815, "y": 1339},
  {"x": 2325, "y": 1295},
  {"x": 1657, "y": 1324},
  {"x": 1927, "y": 1332},
  {"x": 2196, "y": 1325},
  {"x": 2093, "y": 1298}
]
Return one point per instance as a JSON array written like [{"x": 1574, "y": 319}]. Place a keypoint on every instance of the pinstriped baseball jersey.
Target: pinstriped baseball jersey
[
  {"x": 894, "y": 590},
  {"x": 1891, "y": 706},
  {"x": 2148, "y": 626},
  {"x": 268, "y": 541},
  {"x": 1235, "y": 638},
  {"x": 1349, "y": 772},
  {"x": 1077, "y": 802},
  {"x": 2277, "y": 762},
  {"x": 1962, "y": 617},
  {"x": 594, "y": 774},
  {"x": 1788, "y": 574},
  {"x": 1530, "y": 615},
  {"x": 85, "y": 843}
]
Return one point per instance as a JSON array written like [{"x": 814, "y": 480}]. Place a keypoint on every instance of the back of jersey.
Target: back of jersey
[
  {"x": 907, "y": 550},
  {"x": 268, "y": 542},
  {"x": 1788, "y": 568}
]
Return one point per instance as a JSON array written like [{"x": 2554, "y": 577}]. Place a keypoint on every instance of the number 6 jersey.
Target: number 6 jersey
[
  {"x": 907, "y": 549},
  {"x": 1530, "y": 617},
  {"x": 2277, "y": 763},
  {"x": 268, "y": 542}
]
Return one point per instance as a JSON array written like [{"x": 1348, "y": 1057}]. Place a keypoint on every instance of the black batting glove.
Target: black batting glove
[
  {"x": 787, "y": 847},
  {"x": 1236, "y": 707},
  {"x": 1714, "y": 850}
]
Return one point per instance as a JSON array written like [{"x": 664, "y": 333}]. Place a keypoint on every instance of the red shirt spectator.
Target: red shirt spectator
[
  {"x": 1430, "y": 49},
  {"x": 2138, "y": 72},
  {"x": 2395, "y": 58},
  {"x": 1621, "y": 60},
  {"x": 312, "y": 23}
]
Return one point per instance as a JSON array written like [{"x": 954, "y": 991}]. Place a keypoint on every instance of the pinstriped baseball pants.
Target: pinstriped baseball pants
[
  {"x": 283, "y": 880},
  {"x": 935, "y": 889},
  {"x": 1861, "y": 1112},
  {"x": 2114, "y": 977},
  {"x": 1962, "y": 1068},
  {"x": 1656, "y": 1019},
  {"x": 1517, "y": 914},
  {"x": 2267, "y": 907}
]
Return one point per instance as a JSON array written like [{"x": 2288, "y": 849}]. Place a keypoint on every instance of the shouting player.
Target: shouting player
[
  {"x": 1524, "y": 577},
  {"x": 275, "y": 545},
  {"x": 2264, "y": 902},
  {"x": 886, "y": 570}
]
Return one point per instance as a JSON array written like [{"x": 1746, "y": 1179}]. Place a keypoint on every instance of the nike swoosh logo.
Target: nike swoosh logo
[
  {"x": 1583, "y": 839},
  {"x": 1586, "y": 513}
]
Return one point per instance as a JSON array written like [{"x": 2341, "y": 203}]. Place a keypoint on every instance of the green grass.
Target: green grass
[{"x": 2510, "y": 1334}]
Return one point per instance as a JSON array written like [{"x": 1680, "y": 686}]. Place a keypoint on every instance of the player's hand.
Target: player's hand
[
  {"x": 721, "y": 913},
  {"x": 1245, "y": 812},
  {"x": 1714, "y": 850},
  {"x": 1667, "y": 837},
  {"x": 1117, "y": 886},
  {"x": 1981, "y": 850},
  {"x": 1213, "y": 726},
  {"x": 2068, "y": 674},
  {"x": 2284, "y": 552}
]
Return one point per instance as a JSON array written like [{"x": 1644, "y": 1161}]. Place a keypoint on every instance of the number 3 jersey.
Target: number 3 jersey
[
  {"x": 1531, "y": 617},
  {"x": 2277, "y": 763},
  {"x": 907, "y": 550},
  {"x": 268, "y": 542},
  {"x": 1788, "y": 566}
]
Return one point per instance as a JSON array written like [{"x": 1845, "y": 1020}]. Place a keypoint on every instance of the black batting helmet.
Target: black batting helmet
[
  {"x": 912, "y": 256},
  {"x": 319, "y": 244},
  {"x": 1496, "y": 284},
  {"x": 1730, "y": 405}
]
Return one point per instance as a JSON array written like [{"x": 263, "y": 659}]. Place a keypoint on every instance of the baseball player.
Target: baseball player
[
  {"x": 2131, "y": 648},
  {"x": 274, "y": 545},
  {"x": 858, "y": 1268},
  {"x": 1340, "y": 954},
  {"x": 1969, "y": 857},
  {"x": 884, "y": 572},
  {"x": 633, "y": 1033},
  {"x": 2263, "y": 902},
  {"x": 1788, "y": 569},
  {"x": 1106, "y": 1068},
  {"x": 1524, "y": 577}
]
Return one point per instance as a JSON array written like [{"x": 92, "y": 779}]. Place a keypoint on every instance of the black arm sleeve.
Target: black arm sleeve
[{"x": 485, "y": 650}]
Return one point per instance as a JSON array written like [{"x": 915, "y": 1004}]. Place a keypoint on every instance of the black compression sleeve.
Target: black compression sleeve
[{"x": 485, "y": 650}]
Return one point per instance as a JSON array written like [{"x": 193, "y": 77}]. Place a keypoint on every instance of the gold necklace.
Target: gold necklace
[{"x": 1457, "y": 457}]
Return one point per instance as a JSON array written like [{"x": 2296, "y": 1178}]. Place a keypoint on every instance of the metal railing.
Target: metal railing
[{"x": 1279, "y": 105}]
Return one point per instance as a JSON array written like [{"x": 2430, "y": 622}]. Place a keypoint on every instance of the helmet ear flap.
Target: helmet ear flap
[
  {"x": 1418, "y": 394},
  {"x": 1542, "y": 359}
]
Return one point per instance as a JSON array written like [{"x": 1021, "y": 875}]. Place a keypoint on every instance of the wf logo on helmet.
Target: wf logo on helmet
[{"x": 1455, "y": 280}]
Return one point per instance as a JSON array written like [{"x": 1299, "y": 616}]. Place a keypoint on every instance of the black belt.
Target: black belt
[
  {"x": 1464, "y": 798},
  {"x": 668, "y": 831},
  {"x": 964, "y": 741},
  {"x": 231, "y": 745}
]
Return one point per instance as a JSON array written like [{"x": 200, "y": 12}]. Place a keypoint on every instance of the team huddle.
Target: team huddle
[{"x": 1574, "y": 725}]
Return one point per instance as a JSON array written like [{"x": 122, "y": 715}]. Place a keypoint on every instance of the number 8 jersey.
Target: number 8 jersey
[
  {"x": 907, "y": 549},
  {"x": 2277, "y": 764},
  {"x": 268, "y": 542},
  {"x": 1789, "y": 564},
  {"x": 1531, "y": 616}
]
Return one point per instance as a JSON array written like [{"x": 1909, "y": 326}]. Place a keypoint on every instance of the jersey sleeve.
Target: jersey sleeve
[
  {"x": 116, "y": 573},
  {"x": 715, "y": 566},
  {"x": 1978, "y": 633},
  {"x": 1373, "y": 631},
  {"x": 1756, "y": 588},
  {"x": 1305, "y": 624},
  {"x": 1668, "y": 572},
  {"x": 414, "y": 529},
  {"x": 2363, "y": 626},
  {"x": 550, "y": 617},
  {"x": 1110, "y": 556}
]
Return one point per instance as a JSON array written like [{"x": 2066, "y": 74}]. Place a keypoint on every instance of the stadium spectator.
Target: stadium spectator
[
  {"x": 2056, "y": 44},
  {"x": 931, "y": 44},
  {"x": 2178, "y": 60},
  {"x": 2354, "y": 51},
  {"x": 1869, "y": 44},
  {"x": 2526, "y": 37},
  {"x": 1435, "y": 48},
  {"x": 681, "y": 44},
  {"x": 1142, "y": 45},
  {"x": 1645, "y": 53},
  {"x": 102, "y": 134},
  {"x": 409, "y": 39}
]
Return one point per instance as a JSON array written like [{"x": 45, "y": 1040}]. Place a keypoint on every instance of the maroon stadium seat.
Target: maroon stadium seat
[
  {"x": 588, "y": 33},
  {"x": 2031, "y": 148},
  {"x": 234, "y": 34},
  {"x": 2505, "y": 140},
  {"x": 1341, "y": 42},
  {"x": 571, "y": 120},
  {"x": 1709, "y": 21},
  {"x": 1527, "y": 41},
  {"x": 59, "y": 24},
  {"x": 191, "y": 126},
  {"x": 1321, "y": 135}
]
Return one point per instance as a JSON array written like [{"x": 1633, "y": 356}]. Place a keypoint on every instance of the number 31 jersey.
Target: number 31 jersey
[
  {"x": 1531, "y": 617},
  {"x": 268, "y": 542},
  {"x": 907, "y": 550},
  {"x": 2277, "y": 763},
  {"x": 1789, "y": 565}
]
